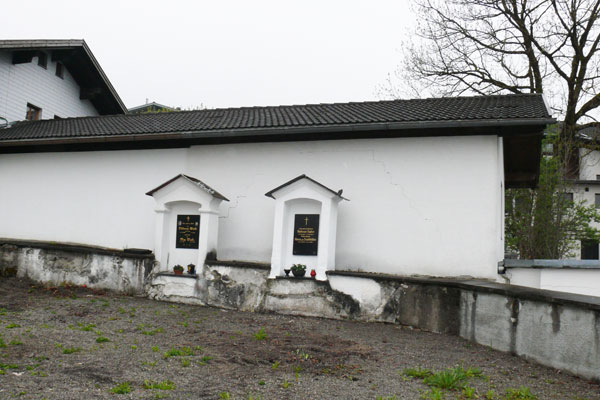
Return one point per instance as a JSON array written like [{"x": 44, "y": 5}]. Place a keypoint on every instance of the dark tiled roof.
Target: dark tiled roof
[{"x": 234, "y": 121}]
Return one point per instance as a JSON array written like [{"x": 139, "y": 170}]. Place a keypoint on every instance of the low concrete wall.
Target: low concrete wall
[
  {"x": 555, "y": 329},
  {"x": 56, "y": 263}
]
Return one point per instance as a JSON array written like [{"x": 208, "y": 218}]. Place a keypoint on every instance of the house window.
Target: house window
[
  {"x": 597, "y": 200},
  {"x": 33, "y": 113},
  {"x": 589, "y": 250},
  {"x": 567, "y": 197},
  {"x": 548, "y": 149},
  {"x": 60, "y": 70},
  {"x": 43, "y": 60},
  {"x": 598, "y": 177}
]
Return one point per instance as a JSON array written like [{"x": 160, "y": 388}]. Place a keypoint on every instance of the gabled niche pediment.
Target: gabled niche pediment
[
  {"x": 303, "y": 186},
  {"x": 187, "y": 188}
]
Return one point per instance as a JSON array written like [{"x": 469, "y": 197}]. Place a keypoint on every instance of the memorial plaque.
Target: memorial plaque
[
  {"x": 306, "y": 234},
  {"x": 188, "y": 231}
]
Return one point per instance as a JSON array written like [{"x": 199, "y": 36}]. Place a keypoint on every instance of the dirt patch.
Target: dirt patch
[{"x": 72, "y": 342}]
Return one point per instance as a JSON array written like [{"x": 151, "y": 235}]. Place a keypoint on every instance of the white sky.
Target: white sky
[{"x": 226, "y": 53}]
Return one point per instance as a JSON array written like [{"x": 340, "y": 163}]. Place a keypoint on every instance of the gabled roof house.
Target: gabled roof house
[{"x": 47, "y": 79}]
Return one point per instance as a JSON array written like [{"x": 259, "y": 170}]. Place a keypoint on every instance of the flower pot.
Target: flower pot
[
  {"x": 298, "y": 274},
  {"x": 287, "y": 271},
  {"x": 178, "y": 272}
]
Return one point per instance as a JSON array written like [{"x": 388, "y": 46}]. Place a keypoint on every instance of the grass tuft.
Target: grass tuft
[
  {"x": 420, "y": 373},
  {"x": 450, "y": 378},
  {"x": 261, "y": 334},
  {"x": 122, "y": 388},
  {"x": 522, "y": 393},
  {"x": 164, "y": 385},
  {"x": 86, "y": 328},
  {"x": 71, "y": 350},
  {"x": 184, "y": 351}
]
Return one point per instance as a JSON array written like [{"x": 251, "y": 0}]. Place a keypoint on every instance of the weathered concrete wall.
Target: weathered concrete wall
[
  {"x": 555, "y": 329},
  {"x": 558, "y": 335},
  {"x": 240, "y": 288},
  {"x": 53, "y": 263}
]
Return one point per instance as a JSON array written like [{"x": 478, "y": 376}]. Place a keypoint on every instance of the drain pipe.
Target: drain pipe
[
  {"x": 502, "y": 272},
  {"x": 501, "y": 267}
]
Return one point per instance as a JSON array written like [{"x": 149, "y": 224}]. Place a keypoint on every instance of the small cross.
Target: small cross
[{"x": 306, "y": 221}]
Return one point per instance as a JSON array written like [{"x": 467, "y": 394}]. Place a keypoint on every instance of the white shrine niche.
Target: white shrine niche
[
  {"x": 184, "y": 204},
  {"x": 305, "y": 226}
]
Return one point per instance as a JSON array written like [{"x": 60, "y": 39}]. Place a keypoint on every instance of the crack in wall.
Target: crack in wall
[
  {"x": 235, "y": 205},
  {"x": 236, "y": 202},
  {"x": 388, "y": 174}
]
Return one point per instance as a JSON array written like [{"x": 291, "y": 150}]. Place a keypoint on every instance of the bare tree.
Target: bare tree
[
  {"x": 511, "y": 46},
  {"x": 520, "y": 46}
]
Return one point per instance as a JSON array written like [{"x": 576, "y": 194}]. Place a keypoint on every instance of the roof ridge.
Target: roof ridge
[{"x": 41, "y": 42}]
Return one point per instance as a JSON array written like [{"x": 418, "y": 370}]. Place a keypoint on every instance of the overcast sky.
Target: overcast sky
[{"x": 223, "y": 53}]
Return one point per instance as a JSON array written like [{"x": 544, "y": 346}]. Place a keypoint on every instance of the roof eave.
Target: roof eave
[
  {"x": 286, "y": 131},
  {"x": 105, "y": 79}
]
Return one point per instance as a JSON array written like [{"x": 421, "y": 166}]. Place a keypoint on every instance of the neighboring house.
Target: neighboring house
[
  {"x": 425, "y": 181},
  {"x": 578, "y": 271},
  {"x": 151, "y": 108},
  {"x": 586, "y": 186},
  {"x": 47, "y": 79}
]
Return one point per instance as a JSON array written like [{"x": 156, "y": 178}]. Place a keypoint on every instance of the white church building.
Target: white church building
[{"x": 403, "y": 187}]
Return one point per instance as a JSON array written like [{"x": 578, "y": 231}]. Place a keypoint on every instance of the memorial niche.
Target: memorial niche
[
  {"x": 306, "y": 234},
  {"x": 305, "y": 226},
  {"x": 188, "y": 232}
]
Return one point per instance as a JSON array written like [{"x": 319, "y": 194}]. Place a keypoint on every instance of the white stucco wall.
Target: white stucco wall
[
  {"x": 91, "y": 198},
  {"x": 429, "y": 206},
  {"x": 580, "y": 281},
  {"x": 589, "y": 164},
  {"x": 29, "y": 83}
]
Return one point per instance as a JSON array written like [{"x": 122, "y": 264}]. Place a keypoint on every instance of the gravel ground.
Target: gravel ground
[{"x": 54, "y": 349}]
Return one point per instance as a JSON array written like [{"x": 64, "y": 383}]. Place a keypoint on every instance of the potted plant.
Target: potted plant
[
  {"x": 298, "y": 270},
  {"x": 178, "y": 269},
  {"x": 191, "y": 269}
]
